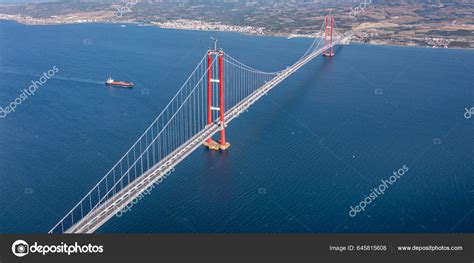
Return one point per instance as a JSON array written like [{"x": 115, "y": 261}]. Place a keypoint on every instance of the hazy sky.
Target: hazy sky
[{"x": 23, "y": 1}]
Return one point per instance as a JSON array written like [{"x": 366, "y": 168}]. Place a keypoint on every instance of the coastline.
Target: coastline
[{"x": 197, "y": 25}]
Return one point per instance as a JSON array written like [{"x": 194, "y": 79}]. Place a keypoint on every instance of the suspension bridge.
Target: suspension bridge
[{"x": 218, "y": 90}]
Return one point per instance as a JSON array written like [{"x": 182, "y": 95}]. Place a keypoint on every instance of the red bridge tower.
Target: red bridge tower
[
  {"x": 329, "y": 27},
  {"x": 211, "y": 144}
]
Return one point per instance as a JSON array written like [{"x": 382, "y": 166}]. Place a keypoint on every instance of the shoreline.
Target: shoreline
[{"x": 210, "y": 27}]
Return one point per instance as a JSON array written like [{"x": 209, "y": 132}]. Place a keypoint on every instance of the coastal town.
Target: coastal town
[
  {"x": 183, "y": 24},
  {"x": 187, "y": 24},
  {"x": 444, "y": 26}
]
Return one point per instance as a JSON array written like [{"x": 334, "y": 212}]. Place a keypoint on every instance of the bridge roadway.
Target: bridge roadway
[{"x": 102, "y": 213}]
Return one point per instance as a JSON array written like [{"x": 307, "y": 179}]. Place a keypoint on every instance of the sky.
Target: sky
[{"x": 24, "y": 1}]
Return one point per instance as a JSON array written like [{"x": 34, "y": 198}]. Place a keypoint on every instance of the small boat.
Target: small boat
[{"x": 111, "y": 82}]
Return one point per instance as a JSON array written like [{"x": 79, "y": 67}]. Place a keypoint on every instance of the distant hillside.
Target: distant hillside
[{"x": 399, "y": 22}]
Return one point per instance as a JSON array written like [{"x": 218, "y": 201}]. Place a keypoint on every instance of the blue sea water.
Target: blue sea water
[{"x": 300, "y": 158}]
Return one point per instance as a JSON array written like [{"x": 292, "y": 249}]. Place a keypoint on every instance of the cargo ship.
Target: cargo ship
[{"x": 111, "y": 82}]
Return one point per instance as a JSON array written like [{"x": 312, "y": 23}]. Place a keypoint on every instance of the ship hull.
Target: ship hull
[{"x": 120, "y": 85}]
